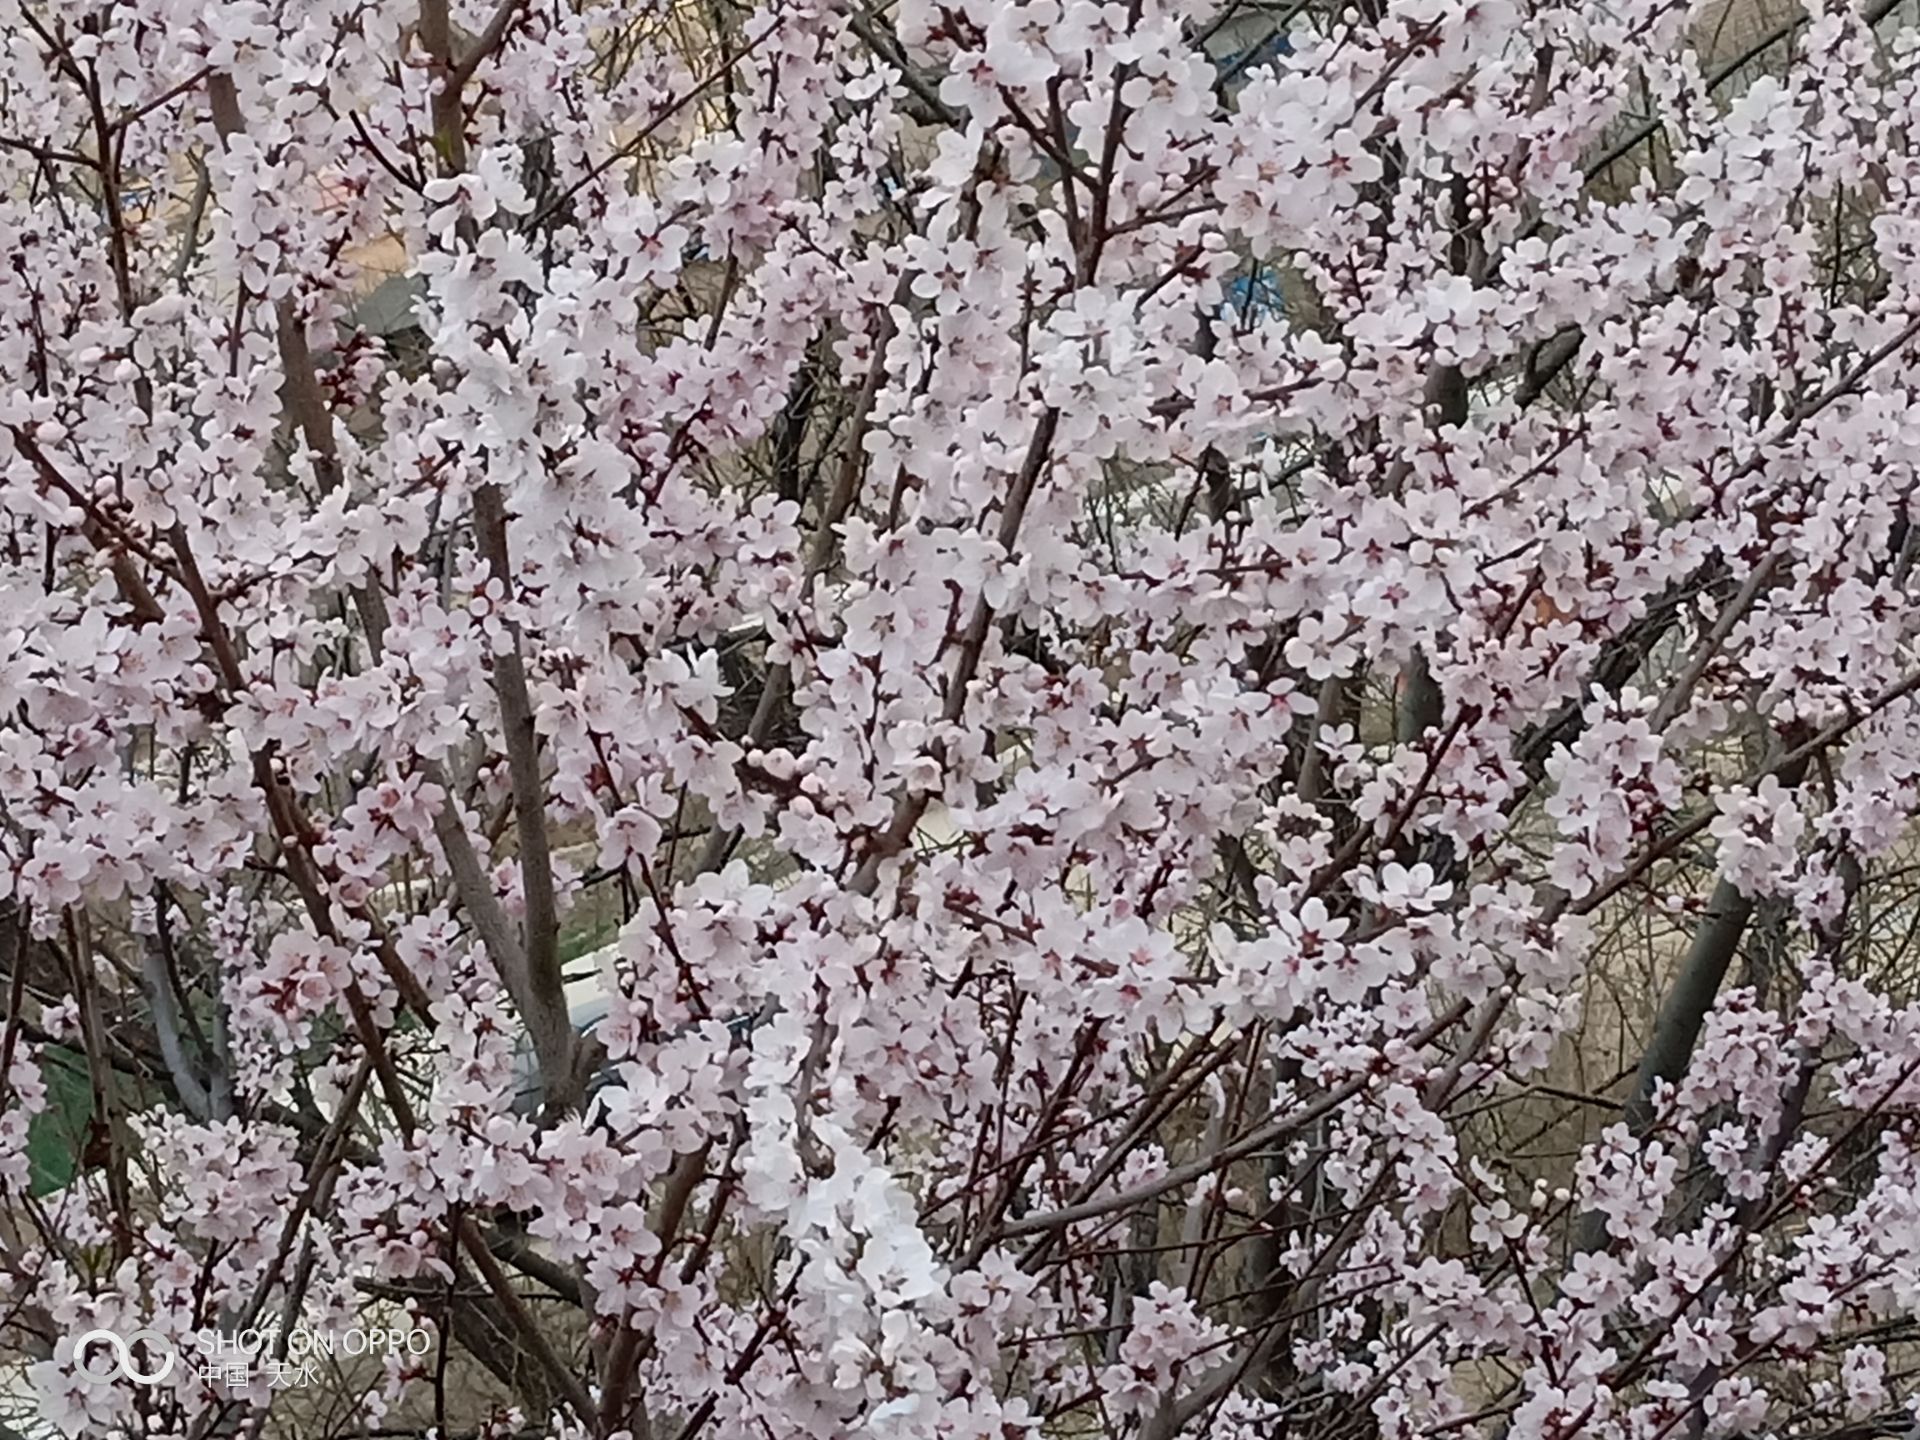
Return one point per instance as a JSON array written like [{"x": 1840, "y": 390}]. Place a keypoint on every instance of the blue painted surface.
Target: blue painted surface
[{"x": 1255, "y": 295}]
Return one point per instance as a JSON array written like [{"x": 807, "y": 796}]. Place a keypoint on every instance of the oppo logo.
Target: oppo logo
[
  {"x": 90, "y": 1370},
  {"x": 101, "y": 1357}
]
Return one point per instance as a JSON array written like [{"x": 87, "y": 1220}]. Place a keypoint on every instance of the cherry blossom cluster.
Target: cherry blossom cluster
[{"x": 964, "y": 719}]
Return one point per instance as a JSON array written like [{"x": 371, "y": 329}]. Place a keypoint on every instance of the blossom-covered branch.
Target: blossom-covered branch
[{"x": 1171, "y": 718}]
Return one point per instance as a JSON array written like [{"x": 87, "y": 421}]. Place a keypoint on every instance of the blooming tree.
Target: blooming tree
[{"x": 1242, "y": 678}]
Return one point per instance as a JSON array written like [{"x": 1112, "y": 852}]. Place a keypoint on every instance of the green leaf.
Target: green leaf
[{"x": 57, "y": 1134}]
